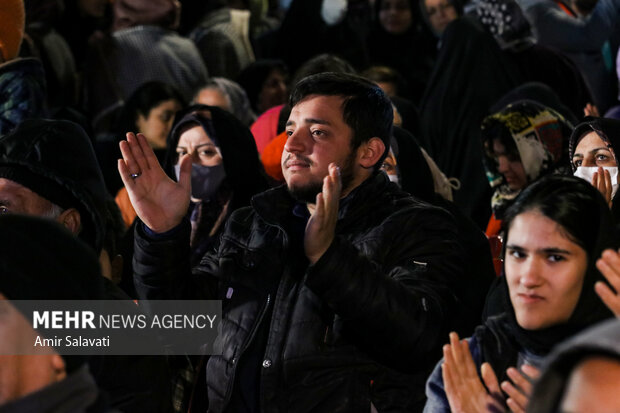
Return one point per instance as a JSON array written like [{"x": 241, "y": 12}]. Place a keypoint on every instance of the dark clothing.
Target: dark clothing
[
  {"x": 121, "y": 62},
  {"x": 412, "y": 54},
  {"x": 77, "y": 393},
  {"x": 22, "y": 92},
  {"x": 541, "y": 64},
  {"x": 57, "y": 161},
  {"x": 361, "y": 325},
  {"x": 478, "y": 274},
  {"x": 471, "y": 74}
]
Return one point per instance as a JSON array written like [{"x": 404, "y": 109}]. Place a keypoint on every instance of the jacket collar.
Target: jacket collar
[{"x": 276, "y": 205}]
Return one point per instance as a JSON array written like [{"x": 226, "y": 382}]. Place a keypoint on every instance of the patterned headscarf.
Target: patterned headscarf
[
  {"x": 505, "y": 20},
  {"x": 541, "y": 137}
]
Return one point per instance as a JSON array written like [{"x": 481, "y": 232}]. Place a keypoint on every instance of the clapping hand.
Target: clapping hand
[{"x": 321, "y": 227}]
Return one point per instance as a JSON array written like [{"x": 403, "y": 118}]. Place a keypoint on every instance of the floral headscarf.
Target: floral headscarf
[{"x": 541, "y": 137}]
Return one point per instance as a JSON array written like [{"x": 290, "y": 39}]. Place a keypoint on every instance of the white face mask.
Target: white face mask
[
  {"x": 586, "y": 172},
  {"x": 333, "y": 11}
]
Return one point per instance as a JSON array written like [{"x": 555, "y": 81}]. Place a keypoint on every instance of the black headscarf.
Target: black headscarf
[
  {"x": 412, "y": 53},
  {"x": 471, "y": 74},
  {"x": 244, "y": 172},
  {"x": 589, "y": 310},
  {"x": 609, "y": 132}
]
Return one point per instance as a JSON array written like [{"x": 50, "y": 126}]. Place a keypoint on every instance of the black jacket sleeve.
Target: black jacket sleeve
[{"x": 398, "y": 306}]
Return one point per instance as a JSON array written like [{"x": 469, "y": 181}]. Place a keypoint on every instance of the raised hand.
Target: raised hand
[
  {"x": 463, "y": 387},
  {"x": 520, "y": 390},
  {"x": 601, "y": 180},
  {"x": 609, "y": 266},
  {"x": 321, "y": 227},
  {"x": 591, "y": 110},
  {"x": 159, "y": 201}
]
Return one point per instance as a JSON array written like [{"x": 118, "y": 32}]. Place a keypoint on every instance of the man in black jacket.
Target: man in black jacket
[{"x": 336, "y": 287}]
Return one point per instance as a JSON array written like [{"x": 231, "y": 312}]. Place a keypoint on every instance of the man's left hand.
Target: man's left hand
[{"x": 321, "y": 227}]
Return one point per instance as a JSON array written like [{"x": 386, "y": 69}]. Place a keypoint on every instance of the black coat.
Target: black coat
[{"x": 363, "y": 324}]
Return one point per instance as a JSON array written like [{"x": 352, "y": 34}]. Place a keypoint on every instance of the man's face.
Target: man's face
[
  {"x": 318, "y": 136},
  {"x": 22, "y": 374},
  {"x": 17, "y": 199}
]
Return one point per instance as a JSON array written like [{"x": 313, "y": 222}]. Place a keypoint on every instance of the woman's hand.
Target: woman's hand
[
  {"x": 601, "y": 180},
  {"x": 609, "y": 266},
  {"x": 160, "y": 202},
  {"x": 463, "y": 387},
  {"x": 520, "y": 390}
]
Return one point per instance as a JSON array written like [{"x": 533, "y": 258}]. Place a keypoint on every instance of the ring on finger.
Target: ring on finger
[{"x": 134, "y": 176}]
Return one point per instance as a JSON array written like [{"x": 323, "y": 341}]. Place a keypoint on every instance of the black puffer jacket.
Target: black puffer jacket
[{"x": 364, "y": 324}]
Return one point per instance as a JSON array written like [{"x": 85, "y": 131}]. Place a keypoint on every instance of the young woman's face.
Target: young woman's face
[
  {"x": 158, "y": 123},
  {"x": 395, "y": 16},
  {"x": 593, "y": 151},
  {"x": 544, "y": 271},
  {"x": 197, "y": 143},
  {"x": 510, "y": 166}
]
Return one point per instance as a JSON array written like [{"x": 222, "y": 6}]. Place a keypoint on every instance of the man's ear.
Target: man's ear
[
  {"x": 59, "y": 367},
  {"x": 71, "y": 219},
  {"x": 370, "y": 152}
]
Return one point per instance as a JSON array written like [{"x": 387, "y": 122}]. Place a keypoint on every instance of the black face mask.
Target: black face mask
[{"x": 206, "y": 180}]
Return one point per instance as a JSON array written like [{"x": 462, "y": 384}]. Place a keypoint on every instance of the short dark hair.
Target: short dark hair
[
  {"x": 366, "y": 108},
  {"x": 574, "y": 204}
]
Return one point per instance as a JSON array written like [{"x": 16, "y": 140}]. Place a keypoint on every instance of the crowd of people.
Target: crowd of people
[{"x": 403, "y": 206}]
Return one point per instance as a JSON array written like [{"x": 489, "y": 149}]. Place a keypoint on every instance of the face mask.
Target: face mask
[
  {"x": 394, "y": 178},
  {"x": 333, "y": 11},
  {"x": 586, "y": 172},
  {"x": 206, "y": 180}
]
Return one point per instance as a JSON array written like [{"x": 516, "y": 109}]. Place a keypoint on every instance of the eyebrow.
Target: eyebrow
[
  {"x": 594, "y": 150},
  {"x": 551, "y": 250},
  {"x": 196, "y": 147},
  {"x": 310, "y": 121}
]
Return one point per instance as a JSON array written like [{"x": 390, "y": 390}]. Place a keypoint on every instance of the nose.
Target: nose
[
  {"x": 295, "y": 143},
  {"x": 530, "y": 271},
  {"x": 502, "y": 164}
]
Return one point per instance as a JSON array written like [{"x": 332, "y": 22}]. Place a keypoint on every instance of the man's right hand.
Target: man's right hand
[{"x": 160, "y": 202}]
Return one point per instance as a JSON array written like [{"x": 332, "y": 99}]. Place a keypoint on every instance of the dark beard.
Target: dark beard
[{"x": 308, "y": 193}]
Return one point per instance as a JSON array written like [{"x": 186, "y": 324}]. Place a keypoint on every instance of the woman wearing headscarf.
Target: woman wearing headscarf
[
  {"x": 592, "y": 151},
  {"x": 457, "y": 98},
  {"x": 522, "y": 142},
  {"x": 398, "y": 26},
  {"x": 556, "y": 230},
  {"x": 226, "y": 171}
]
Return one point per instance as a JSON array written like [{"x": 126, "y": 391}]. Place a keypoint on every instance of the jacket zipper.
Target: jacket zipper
[{"x": 231, "y": 382}]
